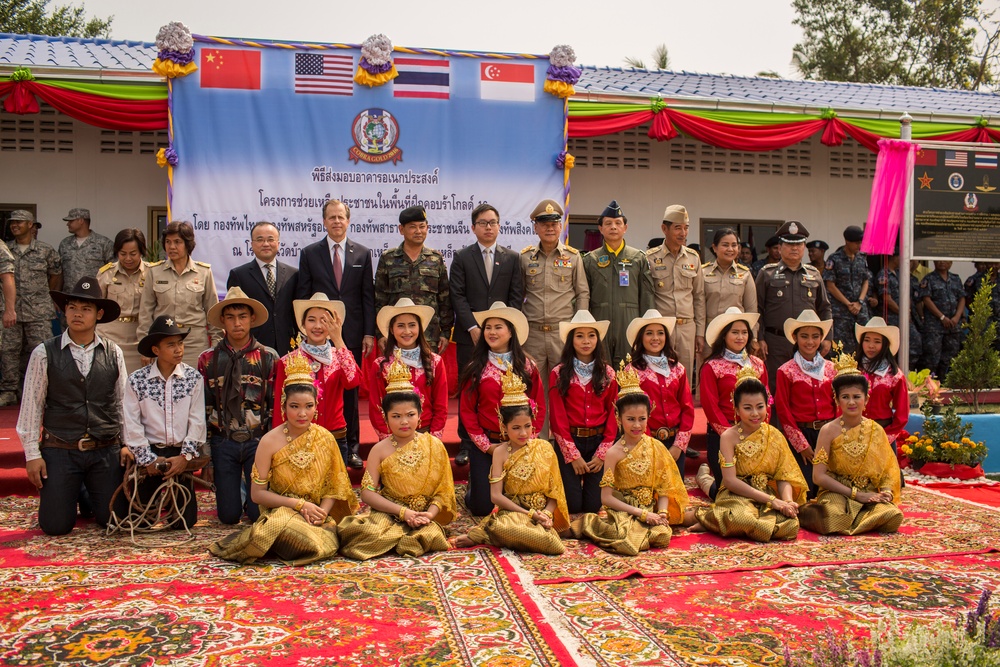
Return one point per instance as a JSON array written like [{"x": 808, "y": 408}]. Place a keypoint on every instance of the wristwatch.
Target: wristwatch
[
  {"x": 944, "y": 317},
  {"x": 188, "y": 457}
]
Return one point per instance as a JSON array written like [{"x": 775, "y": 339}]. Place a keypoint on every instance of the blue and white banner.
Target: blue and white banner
[{"x": 272, "y": 133}]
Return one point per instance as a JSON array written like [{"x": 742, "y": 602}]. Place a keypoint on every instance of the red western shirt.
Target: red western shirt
[
  {"x": 331, "y": 382},
  {"x": 888, "y": 398},
  {"x": 479, "y": 410},
  {"x": 433, "y": 399},
  {"x": 582, "y": 408},
  {"x": 718, "y": 380},
  {"x": 801, "y": 398},
  {"x": 671, "y": 400}
]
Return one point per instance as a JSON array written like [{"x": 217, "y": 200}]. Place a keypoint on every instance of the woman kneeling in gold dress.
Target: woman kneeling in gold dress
[
  {"x": 300, "y": 484},
  {"x": 762, "y": 486},
  {"x": 417, "y": 497},
  {"x": 642, "y": 489},
  {"x": 525, "y": 484},
  {"x": 854, "y": 466}
]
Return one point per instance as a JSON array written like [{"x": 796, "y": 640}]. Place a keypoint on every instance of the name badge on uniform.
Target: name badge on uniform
[{"x": 623, "y": 278}]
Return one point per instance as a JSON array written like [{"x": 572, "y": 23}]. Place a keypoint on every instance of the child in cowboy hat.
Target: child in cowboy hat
[{"x": 888, "y": 398}]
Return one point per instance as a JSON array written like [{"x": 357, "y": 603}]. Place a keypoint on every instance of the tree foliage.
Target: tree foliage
[
  {"x": 976, "y": 367},
  {"x": 35, "y": 17},
  {"x": 937, "y": 43},
  {"x": 661, "y": 59}
]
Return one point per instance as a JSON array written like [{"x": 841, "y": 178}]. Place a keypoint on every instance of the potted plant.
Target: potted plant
[
  {"x": 976, "y": 368},
  {"x": 945, "y": 449},
  {"x": 926, "y": 388}
]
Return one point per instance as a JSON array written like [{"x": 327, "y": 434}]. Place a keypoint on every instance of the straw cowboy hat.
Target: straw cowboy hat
[
  {"x": 878, "y": 325},
  {"x": 505, "y": 312},
  {"x": 236, "y": 296},
  {"x": 423, "y": 313},
  {"x": 652, "y": 316},
  {"x": 732, "y": 314},
  {"x": 87, "y": 289},
  {"x": 583, "y": 319},
  {"x": 318, "y": 300},
  {"x": 807, "y": 318}
]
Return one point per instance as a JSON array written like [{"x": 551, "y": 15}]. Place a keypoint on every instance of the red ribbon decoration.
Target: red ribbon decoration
[{"x": 106, "y": 112}]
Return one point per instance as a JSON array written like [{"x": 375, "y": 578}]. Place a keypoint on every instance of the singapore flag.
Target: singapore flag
[{"x": 507, "y": 81}]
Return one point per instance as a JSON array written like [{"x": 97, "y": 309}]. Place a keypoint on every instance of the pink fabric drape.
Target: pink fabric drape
[{"x": 885, "y": 214}]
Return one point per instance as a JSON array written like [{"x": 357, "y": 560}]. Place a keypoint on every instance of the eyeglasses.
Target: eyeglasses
[{"x": 488, "y": 223}]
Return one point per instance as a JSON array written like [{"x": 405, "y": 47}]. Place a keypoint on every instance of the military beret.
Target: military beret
[
  {"x": 821, "y": 245},
  {"x": 854, "y": 234},
  {"x": 412, "y": 214},
  {"x": 771, "y": 242}
]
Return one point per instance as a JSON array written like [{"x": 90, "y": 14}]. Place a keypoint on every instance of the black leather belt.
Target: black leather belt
[
  {"x": 84, "y": 444},
  {"x": 776, "y": 332},
  {"x": 815, "y": 425},
  {"x": 585, "y": 432}
]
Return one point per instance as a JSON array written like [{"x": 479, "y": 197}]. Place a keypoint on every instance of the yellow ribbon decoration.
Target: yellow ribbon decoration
[
  {"x": 172, "y": 70},
  {"x": 366, "y": 78},
  {"x": 559, "y": 88}
]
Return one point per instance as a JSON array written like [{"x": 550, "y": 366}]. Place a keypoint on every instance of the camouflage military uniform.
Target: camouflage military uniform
[
  {"x": 940, "y": 345},
  {"x": 758, "y": 265},
  {"x": 850, "y": 276},
  {"x": 888, "y": 285},
  {"x": 612, "y": 300},
  {"x": 85, "y": 259},
  {"x": 425, "y": 281},
  {"x": 34, "y": 308}
]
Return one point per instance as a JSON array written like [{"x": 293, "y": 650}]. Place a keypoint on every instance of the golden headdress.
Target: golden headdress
[
  {"x": 843, "y": 362},
  {"x": 398, "y": 377},
  {"x": 513, "y": 389},
  {"x": 748, "y": 372},
  {"x": 298, "y": 370},
  {"x": 628, "y": 379}
]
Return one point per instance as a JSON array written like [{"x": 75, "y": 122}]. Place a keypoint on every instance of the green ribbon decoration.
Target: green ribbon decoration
[{"x": 22, "y": 74}]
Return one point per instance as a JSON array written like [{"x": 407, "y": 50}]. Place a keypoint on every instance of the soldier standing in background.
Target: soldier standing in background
[
  {"x": 772, "y": 257},
  {"x": 817, "y": 254},
  {"x": 37, "y": 270},
  {"x": 784, "y": 290},
  {"x": 555, "y": 287},
  {"x": 888, "y": 291},
  {"x": 414, "y": 271},
  {"x": 621, "y": 287},
  {"x": 83, "y": 252},
  {"x": 944, "y": 307},
  {"x": 847, "y": 280}
]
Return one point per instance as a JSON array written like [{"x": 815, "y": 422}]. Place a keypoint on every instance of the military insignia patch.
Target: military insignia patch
[{"x": 603, "y": 261}]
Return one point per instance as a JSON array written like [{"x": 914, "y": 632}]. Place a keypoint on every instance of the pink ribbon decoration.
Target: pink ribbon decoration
[{"x": 885, "y": 213}]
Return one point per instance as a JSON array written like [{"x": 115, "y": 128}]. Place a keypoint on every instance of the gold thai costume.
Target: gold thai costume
[
  {"x": 861, "y": 459},
  {"x": 530, "y": 478},
  {"x": 643, "y": 476},
  {"x": 417, "y": 475},
  {"x": 762, "y": 460},
  {"x": 310, "y": 468}
]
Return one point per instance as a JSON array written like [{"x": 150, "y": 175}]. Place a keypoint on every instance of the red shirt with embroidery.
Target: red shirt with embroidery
[
  {"x": 479, "y": 410},
  {"x": 801, "y": 398},
  {"x": 718, "y": 380},
  {"x": 888, "y": 398},
  {"x": 433, "y": 399},
  {"x": 673, "y": 406},
  {"x": 582, "y": 408},
  {"x": 331, "y": 381}
]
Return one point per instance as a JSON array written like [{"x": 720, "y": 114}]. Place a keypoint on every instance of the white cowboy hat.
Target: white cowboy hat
[
  {"x": 878, "y": 325},
  {"x": 652, "y": 316},
  {"x": 807, "y": 318},
  {"x": 385, "y": 314},
  {"x": 318, "y": 300},
  {"x": 732, "y": 314},
  {"x": 234, "y": 296},
  {"x": 583, "y": 319},
  {"x": 505, "y": 312}
]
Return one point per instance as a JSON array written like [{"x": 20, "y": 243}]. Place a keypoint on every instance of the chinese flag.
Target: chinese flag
[
  {"x": 926, "y": 157},
  {"x": 230, "y": 68}
]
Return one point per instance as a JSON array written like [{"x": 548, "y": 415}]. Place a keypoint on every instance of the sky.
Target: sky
[{"x": 717, "y": 36}]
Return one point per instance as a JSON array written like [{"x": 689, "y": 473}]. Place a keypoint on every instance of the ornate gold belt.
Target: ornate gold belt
[
  {"x": 642, "y": 495},
  {"x": 417, "y": 503},
  {"x": 535, "y": 501}
]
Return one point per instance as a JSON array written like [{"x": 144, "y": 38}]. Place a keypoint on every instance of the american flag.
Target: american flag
[
  {"x": 324, "y": 74},
  {"x": 956, "y": 159}
]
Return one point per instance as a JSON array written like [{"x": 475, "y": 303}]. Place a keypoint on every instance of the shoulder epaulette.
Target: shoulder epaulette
[
  {"x": 742, "y": 266},
  {"x": 528, "y": 249},
  {"x": 158, "y": 263},
  {"x": 768, "y": 266},
  {"x": 810, "y": 266},
  {"x": 573, "y": 251},
  {"x": 105, "y": 268},
  {"x": 705, "y": 265},
  {"x": 205, "y": 264}
]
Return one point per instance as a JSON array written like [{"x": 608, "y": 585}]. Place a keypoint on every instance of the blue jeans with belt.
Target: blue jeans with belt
[{"x": 233, "y": 462}]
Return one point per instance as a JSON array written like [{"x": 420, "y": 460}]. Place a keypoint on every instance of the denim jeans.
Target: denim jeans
[
  {"x": 233, "y": 462},
  {"x": 99, "y": 470},
  {"x": 149, "y": 485}
]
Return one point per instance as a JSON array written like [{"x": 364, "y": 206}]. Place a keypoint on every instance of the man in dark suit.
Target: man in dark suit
[
  {"x": 481, "y": 274},
  {"x": 342, "y": 269},
  {"x": 272, "y": 283}
]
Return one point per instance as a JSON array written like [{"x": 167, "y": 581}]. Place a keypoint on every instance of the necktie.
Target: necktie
[
  {"x": 488, "y": 258},
  {"x": 338, "y": 270},
  {"x": 271, "y": 285}
]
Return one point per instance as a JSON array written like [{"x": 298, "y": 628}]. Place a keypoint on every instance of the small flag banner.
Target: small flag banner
[
  {"x": 324, "y": 74},
  {"x": 230, "y": 68},
  {"x": 986, "y": 160},
  {"x": 956, "y": 159},
  {"x": 926, "y": 157},
  {"x": 507, "y": 81},
  {"x": 427, "y": 78}
]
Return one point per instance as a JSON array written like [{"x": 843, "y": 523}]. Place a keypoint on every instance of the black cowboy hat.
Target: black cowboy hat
[
  {"x": 163, "y": 327},
  {"x": 87, "y": 289}
]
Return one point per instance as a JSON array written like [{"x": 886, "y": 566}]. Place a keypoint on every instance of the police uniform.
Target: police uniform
[
  {"x": 940, "y": 344},
  {"x": 782, "y": 294},
  {"x": 555, "y": 287},
  {"x": 727, "y": 288},
  {"x": 818, "y": 245},
  {"x": 765, "y": 260},
  {"x": 186, "y": 297},
  {"x": 424, "y": 281},
  {"x": 851, "y": 276},
  {"x": 621, "y": 289},
  {"x": 888, "y": 286},
  {"x": 32, "y": 268},
  {"x": 125, "y": 290}
]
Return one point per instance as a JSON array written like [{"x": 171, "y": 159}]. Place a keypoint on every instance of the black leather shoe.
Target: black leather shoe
[
  {"x": 691, "y": 454},
  {"x": 355, "y": 461},
  {"x": 462, "y": 458}
]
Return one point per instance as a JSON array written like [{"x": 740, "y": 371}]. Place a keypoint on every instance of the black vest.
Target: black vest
[{"x": 76, "y": 406}]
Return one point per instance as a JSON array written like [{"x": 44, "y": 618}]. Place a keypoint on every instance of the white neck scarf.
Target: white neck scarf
[
  {"x": 814, "y": 368},
  {"x": 658, "y": 364}
]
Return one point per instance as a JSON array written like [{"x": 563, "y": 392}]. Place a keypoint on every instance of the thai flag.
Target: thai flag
[
  {"x": 956, "y": 159},
  {"x": 422, "y": 77},
  {"x": 986, "y": 160}
]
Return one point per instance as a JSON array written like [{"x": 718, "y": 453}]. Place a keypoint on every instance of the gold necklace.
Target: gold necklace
[
  {"x": 748, "y": 450},
  {"x": 303, "y": 458},
  {"x": 854, "y": 448},
  {"x": 409, "y": 457}
]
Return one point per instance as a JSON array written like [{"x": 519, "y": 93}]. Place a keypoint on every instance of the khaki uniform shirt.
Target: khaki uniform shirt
[
  {"x": 555, "y": 285},
  {"x": 725, "y": 289},
  {"x": 186, "y": 297},
  {"x": 126, "y": 291},
  {"x": 679, "y": 285}
]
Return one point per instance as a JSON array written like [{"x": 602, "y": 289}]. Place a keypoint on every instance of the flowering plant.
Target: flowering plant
[
  {"x": 945, "y": 440},
  {"x": 926, "y": 385}
]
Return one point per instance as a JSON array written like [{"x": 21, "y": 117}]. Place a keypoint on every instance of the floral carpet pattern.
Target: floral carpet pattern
[{"x": 968, "y": 530}]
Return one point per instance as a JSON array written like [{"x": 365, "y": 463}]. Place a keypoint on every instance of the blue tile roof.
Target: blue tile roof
[
  {"x": 76, "y": 53},
  {"x": 813, "y": 94}
]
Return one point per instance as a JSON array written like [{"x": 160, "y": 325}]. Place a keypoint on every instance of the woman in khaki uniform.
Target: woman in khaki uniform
[
  {"x": 183, "y": 289},
  {"x": 728, "y": 283},
  {"x": 122, "y": 281}
]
